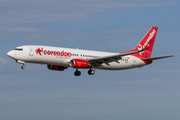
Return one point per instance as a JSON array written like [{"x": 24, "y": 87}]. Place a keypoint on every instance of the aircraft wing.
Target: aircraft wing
[
  {"x": 156, "y": 58},
  {"x": 107, "y": 59}
]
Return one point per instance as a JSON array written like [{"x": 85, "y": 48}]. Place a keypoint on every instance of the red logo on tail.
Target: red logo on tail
[{"x": 147, "y": 42}]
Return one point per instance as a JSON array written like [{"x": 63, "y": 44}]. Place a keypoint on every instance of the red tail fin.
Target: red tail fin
[{"x": 147, "y": 43}]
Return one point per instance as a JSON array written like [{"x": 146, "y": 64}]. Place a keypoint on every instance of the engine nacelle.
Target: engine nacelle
[
  {"x": 55, "y": 67},
  {"x": 78, "y": 63}
]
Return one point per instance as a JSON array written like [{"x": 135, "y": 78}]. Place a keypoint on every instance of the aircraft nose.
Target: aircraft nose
[{"x": 10, "y": 54}]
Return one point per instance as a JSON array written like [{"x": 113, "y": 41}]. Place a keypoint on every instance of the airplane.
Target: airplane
[{"x": 59, "y": 59}]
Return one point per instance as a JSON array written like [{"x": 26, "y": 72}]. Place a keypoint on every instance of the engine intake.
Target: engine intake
[
  {"x": 78, "y": 63},
  {"x": 55, "y": 67}
]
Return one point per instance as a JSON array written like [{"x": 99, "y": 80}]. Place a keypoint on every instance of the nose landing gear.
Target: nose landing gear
[
  {"x": 23, "y": 67},
  {"x": 21, "y": 62}
]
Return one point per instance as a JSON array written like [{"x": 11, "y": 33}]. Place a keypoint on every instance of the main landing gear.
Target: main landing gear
[
  {"x": 91, "y": 72},
  {"x": 78, "y": 73}
]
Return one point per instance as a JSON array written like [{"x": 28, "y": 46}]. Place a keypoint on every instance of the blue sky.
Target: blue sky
[{"x": 148, "y": 93}]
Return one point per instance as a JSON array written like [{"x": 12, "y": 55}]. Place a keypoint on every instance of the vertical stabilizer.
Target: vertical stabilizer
[{"x": 147, "y": 43}]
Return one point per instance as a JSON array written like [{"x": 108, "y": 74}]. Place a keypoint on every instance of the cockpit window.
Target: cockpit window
[{"x": 19, "y": 49}]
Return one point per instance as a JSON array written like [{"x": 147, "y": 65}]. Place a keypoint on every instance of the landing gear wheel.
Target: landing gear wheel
[
  {"x": 23, "y": 67},
  {"x": 77, "y": 73},
  {"x": 91, "y": 72}
]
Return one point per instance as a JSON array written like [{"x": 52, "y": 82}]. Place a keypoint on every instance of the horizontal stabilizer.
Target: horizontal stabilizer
[{"x": 156, "y": 58}]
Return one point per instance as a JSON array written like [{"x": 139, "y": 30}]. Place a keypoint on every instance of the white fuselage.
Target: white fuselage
[{"x": 62, "y": 57}]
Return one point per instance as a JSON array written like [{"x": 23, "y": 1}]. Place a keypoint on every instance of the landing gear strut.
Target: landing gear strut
[
  {"x": 21, "y": 62},
  {"x": 91, "y": 72},
  {"x": 77, "y": 73}
]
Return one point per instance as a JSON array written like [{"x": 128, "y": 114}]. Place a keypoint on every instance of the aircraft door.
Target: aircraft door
[{"x": 31, "y": 51}]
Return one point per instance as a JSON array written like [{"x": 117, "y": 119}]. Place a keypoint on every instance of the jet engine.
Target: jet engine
[{"x": 78, "y": 63}]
